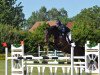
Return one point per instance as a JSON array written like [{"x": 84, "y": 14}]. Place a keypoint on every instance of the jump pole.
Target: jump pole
[{"x": 72, "y": 58}]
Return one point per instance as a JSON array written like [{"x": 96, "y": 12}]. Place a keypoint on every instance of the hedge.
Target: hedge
[{"x": 2, "y": 56}]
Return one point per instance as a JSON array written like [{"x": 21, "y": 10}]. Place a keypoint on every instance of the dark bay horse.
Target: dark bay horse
[{"x": 61, "y": 40}]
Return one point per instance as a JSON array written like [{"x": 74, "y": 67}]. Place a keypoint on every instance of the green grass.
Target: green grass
[
  {"x": 2, "y": 67},
  {"x": 35, "y": 72}
]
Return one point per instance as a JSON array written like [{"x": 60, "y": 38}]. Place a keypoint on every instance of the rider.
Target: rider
[
  {"x": 62, "y": 27},
  {"x": 58, "y": 23},
  {"x": 64, "y": 30}
]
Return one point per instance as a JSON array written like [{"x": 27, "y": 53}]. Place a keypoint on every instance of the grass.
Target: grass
[
  {"x": 2, "y": 67},
  {"x": 35, "y": 72}
]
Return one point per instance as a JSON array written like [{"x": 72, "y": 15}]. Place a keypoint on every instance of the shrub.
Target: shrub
[{"x": 2, "y": 56}]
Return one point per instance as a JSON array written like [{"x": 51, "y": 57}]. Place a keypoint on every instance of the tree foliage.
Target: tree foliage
[
  {"x": 87, "y": 26},
  {"x": 44, "y": 15},
  {"x": 33, "y": 39},
  {"x": 11, "y": 13},
  {"x": 37, "y": 16},
  {"x": 11, "y": 35},
  {"x": 39, "y": 33}
]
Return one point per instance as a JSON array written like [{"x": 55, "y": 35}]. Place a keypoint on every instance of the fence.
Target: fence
[{"x": 21, "y": 64}]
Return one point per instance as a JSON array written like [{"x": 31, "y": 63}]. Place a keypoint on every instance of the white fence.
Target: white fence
[
  {"x": 49, "y": 53},
  {"x": 21, "y": 63}
]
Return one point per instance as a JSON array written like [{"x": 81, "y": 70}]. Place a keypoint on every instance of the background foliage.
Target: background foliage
[
  {"x": 14, "y": 27},
  {"x": 87, "y": 26},
  {"x": 11, "y": 13},
  {"x": 44, "y": 15}
]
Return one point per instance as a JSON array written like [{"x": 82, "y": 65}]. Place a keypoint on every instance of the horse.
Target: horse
[{"x": 61, "y": 40}]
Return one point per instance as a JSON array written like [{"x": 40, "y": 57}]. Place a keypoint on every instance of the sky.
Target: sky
[{"x": 73, "y": 7}]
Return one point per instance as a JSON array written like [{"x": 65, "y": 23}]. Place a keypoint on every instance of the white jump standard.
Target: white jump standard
[{"x": 20, "y": 62}]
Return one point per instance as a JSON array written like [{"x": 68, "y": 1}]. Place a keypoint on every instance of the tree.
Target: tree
[
  {"x": 37, "y": 16},
  {"x": 10, "y": 13},
  {"x": 12, "y": 35},
  {"x": 53, "y": 14},
  {"x": 39, "y": 33},
  {"x": 87, "y": 26},
  {"x": 63, "y": 16},
  {"x": 38, "y": 36},
  {"x": 63, "y": 12},
  {"x": 58, "y": 14},
  {"x": 44, "y": 15}
]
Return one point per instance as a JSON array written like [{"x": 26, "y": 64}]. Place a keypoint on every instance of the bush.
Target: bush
[
  {"x": 2, "y": 56},
  {"x": 11, "y": 35}
]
